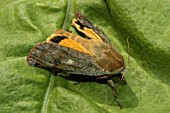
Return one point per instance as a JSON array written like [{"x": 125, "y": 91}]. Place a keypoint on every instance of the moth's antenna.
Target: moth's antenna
[
  {"x": 128, "y": 52},
  {"x": 126, "y": 65}
]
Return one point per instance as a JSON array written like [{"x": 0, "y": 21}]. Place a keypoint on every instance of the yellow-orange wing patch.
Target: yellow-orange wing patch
[
  {"x": 63, "y": 38},
  {"x": 87, "y": 31}
]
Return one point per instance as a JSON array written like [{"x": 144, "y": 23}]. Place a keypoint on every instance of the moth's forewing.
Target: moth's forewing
[
  {"x": 103, "y": 58},
  {"x": 60, "y": 58},
  {"x": 102, "y": 53}
]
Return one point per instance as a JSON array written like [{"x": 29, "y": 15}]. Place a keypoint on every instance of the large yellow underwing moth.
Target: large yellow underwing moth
[{"x": 92, "y": 54}]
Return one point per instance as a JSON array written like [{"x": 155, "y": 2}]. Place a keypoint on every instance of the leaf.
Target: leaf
[{"x": 23, "y": 88}]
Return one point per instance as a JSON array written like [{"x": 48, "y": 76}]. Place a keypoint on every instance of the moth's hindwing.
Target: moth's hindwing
[
  {"x": 67, "y": 39},
  {"x": 84, "y": 25},
  {"x": 60, "y": 58}
]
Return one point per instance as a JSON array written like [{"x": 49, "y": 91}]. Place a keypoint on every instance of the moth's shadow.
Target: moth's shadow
[
  {"x": 84, "y": 78},
  {"x": 97, "y": 90}
]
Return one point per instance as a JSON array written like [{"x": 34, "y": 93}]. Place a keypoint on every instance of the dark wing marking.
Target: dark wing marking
[
  {"x": 60, "y": 58},
  {"x": 85, "y": 22}
]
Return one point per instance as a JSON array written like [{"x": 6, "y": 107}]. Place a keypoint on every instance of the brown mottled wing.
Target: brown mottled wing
[
  {"x": 84, "y": 23},
  {"x": 60, "y": 58}
]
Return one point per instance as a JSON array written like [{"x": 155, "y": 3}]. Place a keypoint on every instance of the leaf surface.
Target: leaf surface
[{"x": 23, "y": 88}]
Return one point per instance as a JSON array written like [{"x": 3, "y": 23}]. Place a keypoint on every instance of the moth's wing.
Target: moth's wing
[
  {"x": 84, "y": 25},
  {"x": 60, "y": 58}
]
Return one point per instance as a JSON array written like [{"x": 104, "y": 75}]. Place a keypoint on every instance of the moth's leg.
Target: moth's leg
[
  {"x": 113, "y": 86},
  {"x": 76, "y": 83},
  {"x": 102, "y": 77},
  {"x": 68, "y": 78},
  {"x": 121, "y": 78},
  {"x": 105, "y": 77}
]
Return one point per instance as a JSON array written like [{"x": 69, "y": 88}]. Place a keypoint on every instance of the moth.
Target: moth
[{"x": 91, "y": 54}]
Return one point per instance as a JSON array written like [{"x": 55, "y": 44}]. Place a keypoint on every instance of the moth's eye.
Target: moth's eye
[{"x": 57, "y": 39}]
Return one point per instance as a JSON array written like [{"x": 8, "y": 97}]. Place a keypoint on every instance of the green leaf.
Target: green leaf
[{"x": 146, "y": 88}]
